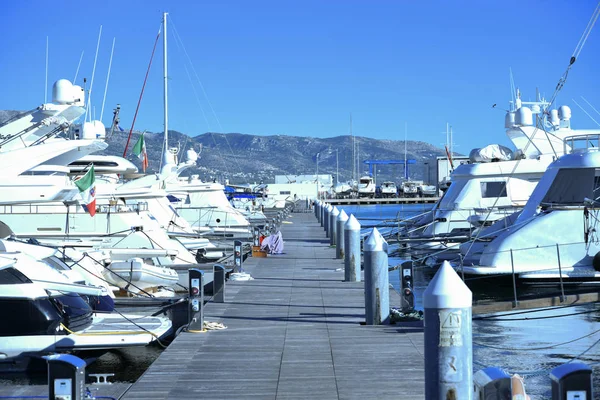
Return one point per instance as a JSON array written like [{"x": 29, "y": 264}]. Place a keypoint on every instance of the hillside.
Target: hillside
[
  {"x": 253, "y": 158},
  {"x": 245, "y": 158}
]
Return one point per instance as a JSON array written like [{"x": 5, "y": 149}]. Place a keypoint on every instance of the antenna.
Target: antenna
[
  {"x": 512, "y": 86},
  {"x": 405, "y": 150},
  {"x": 93, "y": 73},
  {"x": 107, "y": 78},
  {"x": 165, "y": 99},
  {"x": 77, "y": 70},
  {"x": 46, "y": 82}
]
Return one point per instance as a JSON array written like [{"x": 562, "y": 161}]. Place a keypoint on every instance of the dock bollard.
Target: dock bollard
[
  {"x": 326, "y": 215},
  {"x": 316, "y": 209},
  {"x": 339, "y": 239},
  {"x": 218, "y": 283},
  {"x": 377, "y": 283},
  {"x": 448, "y": 337},
  {"x": 321, "y": 220},
  {"x": 333, "y": 226},
  {"x": 352, "y": 248}
]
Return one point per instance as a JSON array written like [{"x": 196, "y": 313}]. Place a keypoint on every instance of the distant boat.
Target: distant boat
[
  {"x": 366, "y": 187},
  {"x": 343, "y": 190},
  {"x": 389, "y": 189}
]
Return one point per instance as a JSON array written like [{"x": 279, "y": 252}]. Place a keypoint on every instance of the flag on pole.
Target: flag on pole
[
  {"x": 140, "y": 151},
  {"x": 87, "y": 191}
]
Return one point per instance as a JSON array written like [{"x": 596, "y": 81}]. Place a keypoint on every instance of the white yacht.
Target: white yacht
[
  {"x": 366, "y": 187},
  {"x": 47, "y": 316},
  {"x": 556, "y": 234},
  {"x": 343, "y": 190},
  {"x": 497, "y": 182},
  {"x": 389, "y": 189}
]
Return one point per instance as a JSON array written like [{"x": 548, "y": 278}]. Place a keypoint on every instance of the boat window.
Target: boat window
[
  {"x": 571, "y": 186},
  {"x": 44, "y": 173},
  {"x": 12, "y": 276},
  {"x": 285, "y": 192},
  {"x": 56, "y": 264},
  {"x": 493, "y": 189},
  {"x": 96, "y": 164}
]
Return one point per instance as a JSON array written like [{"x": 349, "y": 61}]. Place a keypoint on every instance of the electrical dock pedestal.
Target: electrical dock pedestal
[{"x": 296, "y": 331}]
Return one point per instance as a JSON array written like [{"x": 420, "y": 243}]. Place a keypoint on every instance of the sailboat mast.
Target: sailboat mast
[
  {"x": 353, "y": 160},
  {"x": 337, "y": 168},
  {"x": 405, "y": 151},
  {"x": 165, "y": 94}
]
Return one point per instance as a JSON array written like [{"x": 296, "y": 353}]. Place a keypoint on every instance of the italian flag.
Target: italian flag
[
  {"x": 87, "y": 191},
  {"x": 139, "y": 150}
]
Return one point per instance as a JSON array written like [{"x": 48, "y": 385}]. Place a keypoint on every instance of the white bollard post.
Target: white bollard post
[
  {"x": 340, "y": 245},
  {"x": 377, "y": 286},
  {"x": 333, "y": 226},
  {"x": 448, "y": 337},
  {"x": 352, "y": 248}
]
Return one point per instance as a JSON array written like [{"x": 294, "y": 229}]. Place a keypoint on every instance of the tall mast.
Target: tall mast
[
  {"x": 353, "y": 160},
  {"x": 337, "y": 168},
  {"x": 165, "y": 98},
  {"x": 405, "y": 151},
  {"x": 448, "y": 148}
]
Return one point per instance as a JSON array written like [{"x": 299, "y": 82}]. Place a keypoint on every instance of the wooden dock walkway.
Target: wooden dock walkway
[{"x": 294, "y": 332}]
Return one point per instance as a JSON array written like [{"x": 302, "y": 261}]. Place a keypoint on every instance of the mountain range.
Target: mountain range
[{"x": 246, "y": 158}]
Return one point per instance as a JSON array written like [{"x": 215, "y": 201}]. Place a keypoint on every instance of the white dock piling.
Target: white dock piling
[
  {"x": 448, "y": 337},
  {"x": 377, "y": 292},
  {"x": 352, "y": 248},
  {"x": 340, "y": 245},
  {"x": 333, "y": 226}
]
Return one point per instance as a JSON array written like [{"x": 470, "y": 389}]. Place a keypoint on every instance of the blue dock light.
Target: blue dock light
[
  {"x": 491, "y": 383},
  {"x": 66, "y": 376},
  {"x": 572, "y": 381}
]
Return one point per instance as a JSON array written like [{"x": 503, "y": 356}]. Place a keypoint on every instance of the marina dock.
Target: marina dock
[
  {"x": 388, "y": 200},
  {"x": 294, "y": 332}
]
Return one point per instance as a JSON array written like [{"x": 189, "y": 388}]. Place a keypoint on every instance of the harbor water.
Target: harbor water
[{"x": 529, "y": 343}]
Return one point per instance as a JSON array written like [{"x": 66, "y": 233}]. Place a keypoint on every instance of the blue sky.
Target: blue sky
[{"x": 301, "y": 67}]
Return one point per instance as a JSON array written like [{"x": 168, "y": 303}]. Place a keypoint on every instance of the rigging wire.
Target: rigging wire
[
  {"x": 178, "y": 37},
  {"x": 142, "y": 92}
]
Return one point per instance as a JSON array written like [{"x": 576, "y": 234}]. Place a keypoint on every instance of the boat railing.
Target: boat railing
[
  {"x": 33, "y": 208},
  {"x": 575, "y": 143}
]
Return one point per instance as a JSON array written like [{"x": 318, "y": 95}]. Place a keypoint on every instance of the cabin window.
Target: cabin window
[
  {"x": 493, "y": 189},
  {"x": 12, "y": 276},
  {"x": 572, "y": 186},
  {"x": 285, "y": 192}
]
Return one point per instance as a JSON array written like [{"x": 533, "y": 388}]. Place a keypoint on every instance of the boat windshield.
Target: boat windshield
[{"x": 572, "y": 187}]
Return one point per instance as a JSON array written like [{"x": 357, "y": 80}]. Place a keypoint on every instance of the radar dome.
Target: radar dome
[
  {"x": 62, "y": 92},
  {"x": 93, "y": 130},
  {"x": 509, "y": 120},
  {"x": 191, "y": 156},
  {"x": 564, "y": 112},
  {"x": 524, "y": 117}
]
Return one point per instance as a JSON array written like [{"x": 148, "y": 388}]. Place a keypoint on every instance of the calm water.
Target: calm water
[{"x": 528, "y": 344}]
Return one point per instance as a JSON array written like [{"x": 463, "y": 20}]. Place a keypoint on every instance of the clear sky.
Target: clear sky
[{"x": 301, "y": 67}]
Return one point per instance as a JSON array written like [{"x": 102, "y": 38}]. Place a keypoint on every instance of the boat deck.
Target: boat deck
[{"x": 294, "y": 332}]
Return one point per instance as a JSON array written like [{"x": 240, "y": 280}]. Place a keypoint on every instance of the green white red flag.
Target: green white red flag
[
  {"x": 139, "y": 150},
  {"x": 87, "y": 191}
]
